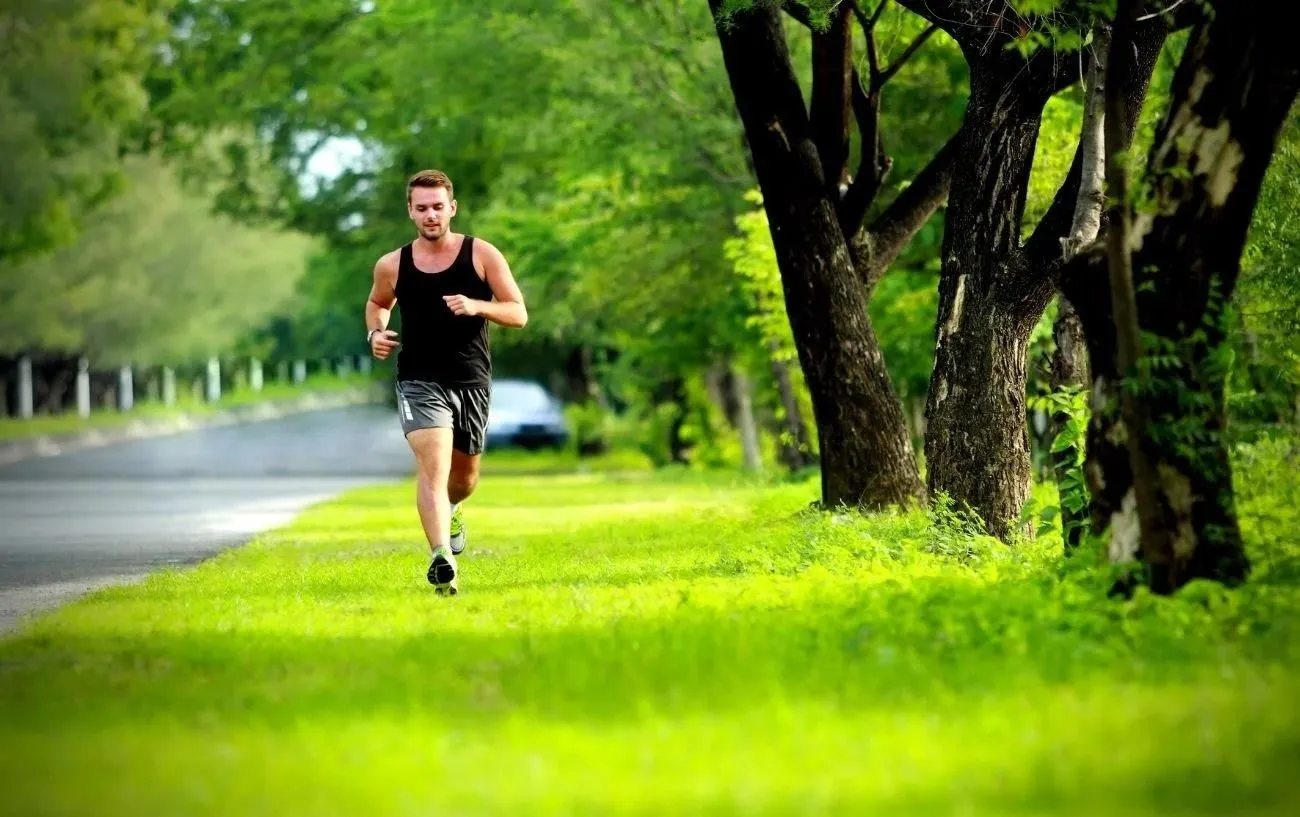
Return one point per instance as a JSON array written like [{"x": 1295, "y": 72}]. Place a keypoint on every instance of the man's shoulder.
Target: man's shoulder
[
  {"x": 482, "y": 249},
  {"x": 390, "y": 261}
]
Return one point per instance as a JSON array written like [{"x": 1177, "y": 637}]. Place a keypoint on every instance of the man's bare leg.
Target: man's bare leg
[
  {"x": 432, "y": 448},
  {"x": 460, "y": 484},
  {"x": 464, "y": 476}
]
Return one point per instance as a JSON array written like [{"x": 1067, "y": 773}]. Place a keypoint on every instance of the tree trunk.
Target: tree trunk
[
  {"x": 1233, "y": 89},
  {"x": 992, "y": 291},
  {"x": 1070, "y": 358},
  {"x": 53, "y": 377},
  {"x": 584, "y": 391},
  {"x": 867, "y": 458},
  {"x": 720, "y": 386},
  {"x": 796, "y": 447},
  {"x": 977, "y": 445},
  {"x": 729, "y": 388},
  {"x": 673, "y": 392},
  {"x": 743, "y": 399},
  {"x": 1069, "y": 369}
]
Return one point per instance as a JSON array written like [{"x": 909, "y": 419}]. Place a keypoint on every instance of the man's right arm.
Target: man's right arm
[{"x": 379, "y": 307}]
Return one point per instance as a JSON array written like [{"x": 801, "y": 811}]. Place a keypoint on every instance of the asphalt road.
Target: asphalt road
[{"x": 86, "y": 519}]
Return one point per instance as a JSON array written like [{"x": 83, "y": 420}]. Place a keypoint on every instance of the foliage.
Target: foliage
[
  {"x": 629, "y": 671},
  {"x": 1070, "y": 404},
  {"x": 1062, "y": 26},
  {"x": 1266, "y": 376},
  {"x": 70, "y": 94},
  {"x": 154, "y": 278},
  {"x": 753, "y": 258}
]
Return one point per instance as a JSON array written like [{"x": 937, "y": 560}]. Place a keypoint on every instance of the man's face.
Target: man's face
[{"x": 431, "y": 210}]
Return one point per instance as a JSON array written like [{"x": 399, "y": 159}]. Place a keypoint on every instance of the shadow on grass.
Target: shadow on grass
[{"x": 1146, "y": 790}]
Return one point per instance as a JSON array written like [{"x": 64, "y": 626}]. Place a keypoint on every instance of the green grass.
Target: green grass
[
  {"x": 655, "y": 644},
  {"x": 14, "y": 428}
]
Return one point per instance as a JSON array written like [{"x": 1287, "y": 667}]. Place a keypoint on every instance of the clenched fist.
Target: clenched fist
[
  {"x": 383, "y": 343},
  {"x": 460, "y": 305}
]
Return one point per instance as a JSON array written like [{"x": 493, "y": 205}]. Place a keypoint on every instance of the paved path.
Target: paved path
[{"x": 82, "y": 520}]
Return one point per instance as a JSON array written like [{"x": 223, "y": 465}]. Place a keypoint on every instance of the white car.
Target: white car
[{"x": 525, "y": 415}]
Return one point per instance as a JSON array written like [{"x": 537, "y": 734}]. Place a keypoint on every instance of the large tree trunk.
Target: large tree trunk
[
  {"x": 867, "y": 458},
  {"x": 977, "y": 445},
  {"x": 992, "y": 290},
  {"x": 1236, "y": 84}
]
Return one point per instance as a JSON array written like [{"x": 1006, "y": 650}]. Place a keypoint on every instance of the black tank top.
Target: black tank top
[{"x": 437, "y": 345}]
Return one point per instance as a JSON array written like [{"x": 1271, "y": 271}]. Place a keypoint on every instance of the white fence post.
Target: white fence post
[
  {"x": 83, "y": 387},
  {"x": 364, "y": 363},
  {"x": 255, "y": 374},
  {"x": 125, "y": 388},
  {"x": 169, "y": 386},
  {"x": 214, "y": 380},
  {"x": 299, "y": 371},
  {"x": 26, "y": 401}
]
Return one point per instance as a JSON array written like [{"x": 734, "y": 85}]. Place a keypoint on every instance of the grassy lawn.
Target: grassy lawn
[
  {"x": 13, "y": 428},
  {"x": 658, "y": 644}
]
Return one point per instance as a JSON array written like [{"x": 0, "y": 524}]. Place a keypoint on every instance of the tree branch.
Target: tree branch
[
  {"x": 1043, "y": 248},
  {"x": 1171, "y": 9},
  {"x": 964, "y": 20},
  {"x": 907, "y": 54},
  {"x": 799, "y": 13},
  {"x": 868, "y": 22},
  {"x": 880, "y": 9},
  {"x": 873, "y": 165},
  {"x": 873, "y": 59},
  {"x": 1092, "y": 197},
  {"x": 832, "y": 61},
  {"x": 890, "y": 232},
  {"x": 940, "y": 11}
]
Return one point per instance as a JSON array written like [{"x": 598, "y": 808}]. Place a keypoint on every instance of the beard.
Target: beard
[{"x": 432, "y": 233}]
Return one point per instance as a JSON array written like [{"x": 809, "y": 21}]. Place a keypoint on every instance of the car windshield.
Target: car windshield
[{"x": 519, "y": 396}]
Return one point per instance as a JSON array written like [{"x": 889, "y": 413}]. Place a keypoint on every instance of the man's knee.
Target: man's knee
[
  {"x": 460, "y": 486},
  {"x": 464, "y": 477}
]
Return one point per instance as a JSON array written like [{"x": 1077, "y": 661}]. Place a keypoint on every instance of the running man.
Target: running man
[{"x": 449, "y": 286}]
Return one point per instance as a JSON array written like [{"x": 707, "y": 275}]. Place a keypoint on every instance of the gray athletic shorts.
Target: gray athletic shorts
[{"x": 424, "y": 404}]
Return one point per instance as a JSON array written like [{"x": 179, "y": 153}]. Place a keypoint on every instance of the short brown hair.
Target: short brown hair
[{"x": 430, "y": 178}]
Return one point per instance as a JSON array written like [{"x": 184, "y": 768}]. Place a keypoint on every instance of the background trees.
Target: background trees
[
  {"x": 806, "y": 233},
  {"x": 70, "y": 88}
]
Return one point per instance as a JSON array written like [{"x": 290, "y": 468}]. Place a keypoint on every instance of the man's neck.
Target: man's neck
[{"x": 441, "y": 244}]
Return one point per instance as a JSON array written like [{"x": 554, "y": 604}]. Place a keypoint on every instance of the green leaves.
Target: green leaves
[
  {"x": 155, "y": 279},
  {"x": 1068, "y": 406},
  {"x": 70, "y": 93},
  {"x": 754, "y": 260}
]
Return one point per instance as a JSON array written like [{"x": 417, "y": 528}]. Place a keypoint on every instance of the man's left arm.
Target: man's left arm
[{"x": 507, "y": 304}]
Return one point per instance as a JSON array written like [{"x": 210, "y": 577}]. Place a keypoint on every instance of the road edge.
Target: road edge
[{"x": 49, "y": 445}]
